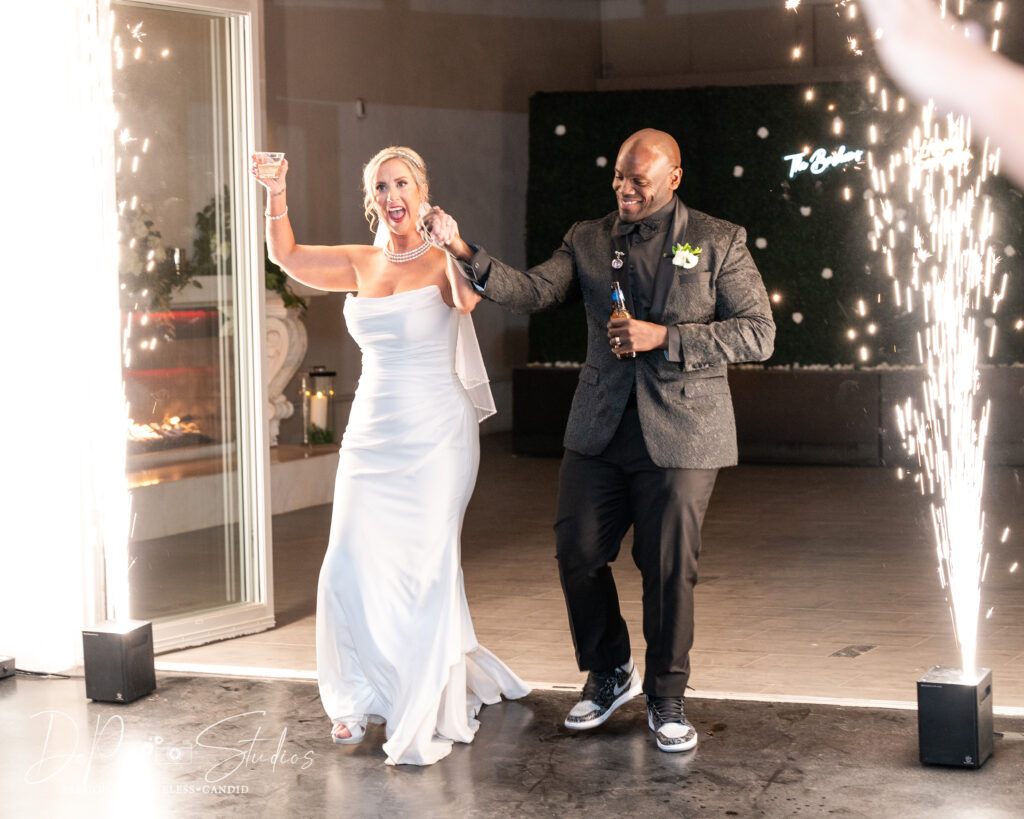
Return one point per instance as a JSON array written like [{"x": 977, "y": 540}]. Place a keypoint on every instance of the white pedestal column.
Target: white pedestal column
[{"x": 286, "y": 347}]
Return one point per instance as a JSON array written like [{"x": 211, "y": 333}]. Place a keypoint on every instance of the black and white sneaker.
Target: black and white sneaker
[
  {"x": 672, "y": 731},
  {"x": 604, "y": 692}
]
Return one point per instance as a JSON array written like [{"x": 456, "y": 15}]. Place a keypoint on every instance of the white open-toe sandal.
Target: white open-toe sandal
[{"x": 356, "y": 730}]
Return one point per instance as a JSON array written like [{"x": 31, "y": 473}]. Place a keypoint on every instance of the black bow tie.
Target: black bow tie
[{"x": 645, "y": 228}]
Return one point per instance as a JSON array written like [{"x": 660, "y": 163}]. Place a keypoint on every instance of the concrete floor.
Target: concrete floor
[
  {"x": 213, "y": 747},
  {"x": 818, "y": 592}
]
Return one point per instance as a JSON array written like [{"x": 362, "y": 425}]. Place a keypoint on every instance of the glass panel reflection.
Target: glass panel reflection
[{"x": 178, "y": 280}]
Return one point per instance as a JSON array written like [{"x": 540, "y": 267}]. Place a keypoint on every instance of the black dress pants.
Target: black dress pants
[{"x": 599, "y": 498}]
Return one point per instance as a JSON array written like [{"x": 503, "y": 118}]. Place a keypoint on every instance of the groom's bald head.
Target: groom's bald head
[{"x": 647, "y": 173}]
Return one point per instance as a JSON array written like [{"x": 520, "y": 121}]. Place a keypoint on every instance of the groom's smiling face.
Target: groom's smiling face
[{"x": 645, "y": 180}]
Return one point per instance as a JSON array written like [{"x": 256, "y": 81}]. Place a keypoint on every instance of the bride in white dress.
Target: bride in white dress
[{"x": 395, "y": 643}]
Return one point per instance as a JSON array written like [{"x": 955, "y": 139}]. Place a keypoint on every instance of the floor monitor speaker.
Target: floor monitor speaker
[
  {"x": 954, "y": 717},
  {"x": 119, "y": 665}
]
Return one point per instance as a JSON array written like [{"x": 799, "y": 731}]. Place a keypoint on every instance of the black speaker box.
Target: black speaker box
[
  {"x": 119, "y": 665},
  {"x": 954, "y": 717}
]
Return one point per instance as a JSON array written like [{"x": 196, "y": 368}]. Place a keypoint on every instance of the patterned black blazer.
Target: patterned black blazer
[{"x": 717, "y": 313}]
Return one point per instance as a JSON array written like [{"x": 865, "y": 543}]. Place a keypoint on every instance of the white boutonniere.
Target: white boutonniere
[{"x": 685, "y": 256}]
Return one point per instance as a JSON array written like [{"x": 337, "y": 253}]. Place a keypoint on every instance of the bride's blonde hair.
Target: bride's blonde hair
[{"x": 412, "y": 160}]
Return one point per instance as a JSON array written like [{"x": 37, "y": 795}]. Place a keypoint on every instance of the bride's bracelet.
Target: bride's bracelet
[{"x": 281, "y": 215}]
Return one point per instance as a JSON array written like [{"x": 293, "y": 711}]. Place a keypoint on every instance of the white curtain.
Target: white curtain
[{"x": 62, "y": 422}]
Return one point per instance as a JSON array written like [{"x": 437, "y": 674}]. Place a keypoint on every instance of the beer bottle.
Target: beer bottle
[{"x": 619, "y": 311}]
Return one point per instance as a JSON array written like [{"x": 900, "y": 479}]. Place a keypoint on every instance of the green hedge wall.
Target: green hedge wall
[{"x": 733, "y": 141}]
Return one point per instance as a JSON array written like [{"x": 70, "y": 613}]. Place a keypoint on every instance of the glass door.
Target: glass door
[{"x": 191, "y": 308}]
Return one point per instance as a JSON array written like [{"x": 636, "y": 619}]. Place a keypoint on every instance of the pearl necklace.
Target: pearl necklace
[{"x": 407, "y": 256}]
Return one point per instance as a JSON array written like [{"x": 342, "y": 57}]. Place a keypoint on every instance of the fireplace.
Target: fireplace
[{"x": 178, "y": 394}]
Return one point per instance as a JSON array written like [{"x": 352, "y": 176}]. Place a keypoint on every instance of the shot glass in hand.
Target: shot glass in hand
[{"x": 268, "y": 165}]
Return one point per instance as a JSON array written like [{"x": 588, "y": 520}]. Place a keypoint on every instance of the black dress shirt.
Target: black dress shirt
[{"x": 646, "y": 247}]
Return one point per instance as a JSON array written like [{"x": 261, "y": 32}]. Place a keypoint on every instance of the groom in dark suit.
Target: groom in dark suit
[{"x": 652, "y": 419}]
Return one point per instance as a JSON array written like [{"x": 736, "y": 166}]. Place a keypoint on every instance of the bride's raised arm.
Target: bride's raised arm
[
  {"x": 444, "y": 230},
  {"x": 324, "y": 267}
]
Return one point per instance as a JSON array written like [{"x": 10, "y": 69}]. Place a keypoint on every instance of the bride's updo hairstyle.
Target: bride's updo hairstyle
[{"x": 412, "y": 160}]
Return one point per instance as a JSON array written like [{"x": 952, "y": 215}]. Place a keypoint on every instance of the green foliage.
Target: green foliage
[
  {"x": 277, "y": 282},
  {"x": 149, "y": 274},
  {"x": 211, "y": 247},
  {"x": 152, "y": 274},
  {"x": 319, "y": 435},
  {"x": 808, "y": 224}
]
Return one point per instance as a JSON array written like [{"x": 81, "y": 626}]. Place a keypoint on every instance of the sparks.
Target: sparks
[
  {"x": 940, "y": 257},
  {"x": 951, "y": 268}
]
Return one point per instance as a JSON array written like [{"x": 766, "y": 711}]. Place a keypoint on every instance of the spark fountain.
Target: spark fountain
[
  {"x": 118, "y": 651},
  {"x": 945, "y": 268},
  {"x": 951, "y": 270},
  {"x": 51, "y": 560}
]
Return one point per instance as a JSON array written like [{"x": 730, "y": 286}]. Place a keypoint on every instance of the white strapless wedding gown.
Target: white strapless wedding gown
[{"x": 394, "y": 638}]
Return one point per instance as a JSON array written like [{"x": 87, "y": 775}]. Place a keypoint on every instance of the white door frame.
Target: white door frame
[{"x": 245, "y": 20}]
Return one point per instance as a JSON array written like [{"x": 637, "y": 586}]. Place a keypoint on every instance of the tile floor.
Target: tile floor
[{"x": 816, "y": 582}]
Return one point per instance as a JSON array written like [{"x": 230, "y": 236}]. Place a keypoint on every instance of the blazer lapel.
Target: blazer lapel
[{"x": 666, "y": 270}]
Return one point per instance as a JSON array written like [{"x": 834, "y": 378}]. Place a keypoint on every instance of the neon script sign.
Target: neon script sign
[{"x": 821, "y": 160}]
